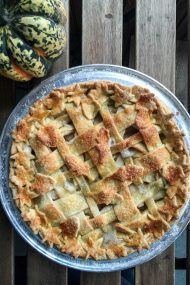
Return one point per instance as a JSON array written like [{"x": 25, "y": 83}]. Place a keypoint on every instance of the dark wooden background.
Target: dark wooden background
[{"x": 152, "y": 37}]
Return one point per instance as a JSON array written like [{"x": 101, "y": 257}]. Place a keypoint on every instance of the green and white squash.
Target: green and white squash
[{"x": 32, "y": 36}]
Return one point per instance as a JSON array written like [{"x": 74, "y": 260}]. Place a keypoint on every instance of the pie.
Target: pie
[{"x": 99, "y": 170}]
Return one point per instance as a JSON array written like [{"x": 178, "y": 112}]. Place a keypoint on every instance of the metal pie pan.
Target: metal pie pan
[{"x": 114, "y": 73}]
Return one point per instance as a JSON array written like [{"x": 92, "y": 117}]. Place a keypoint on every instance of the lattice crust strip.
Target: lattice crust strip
[{"x": 99, "y": 169}]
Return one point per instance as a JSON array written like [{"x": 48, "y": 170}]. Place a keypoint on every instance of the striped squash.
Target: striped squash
[{"x": 32, "y": 37}]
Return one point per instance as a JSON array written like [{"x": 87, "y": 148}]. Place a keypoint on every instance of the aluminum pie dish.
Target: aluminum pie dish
[{"x": 114, "y": 73}]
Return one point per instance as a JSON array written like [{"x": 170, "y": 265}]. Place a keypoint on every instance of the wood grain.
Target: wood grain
[
  {"x": 155, "y": 56},
  {"x": 40, "y": 270},
  {"x": 102, "y": 43},
  {"x": 156, "y": 39},
  {"x": 111, "y": 278},
  {"x": 102, "y": 31}
]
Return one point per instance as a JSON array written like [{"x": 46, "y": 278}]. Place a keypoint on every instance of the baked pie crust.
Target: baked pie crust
[{"x": 99, "y": 169}]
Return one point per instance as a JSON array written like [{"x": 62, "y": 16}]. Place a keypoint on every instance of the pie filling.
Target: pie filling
[{"x": 99, "y": 169}]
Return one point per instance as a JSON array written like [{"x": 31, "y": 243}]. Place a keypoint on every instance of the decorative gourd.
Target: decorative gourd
[{"x": 32, "y": 36}]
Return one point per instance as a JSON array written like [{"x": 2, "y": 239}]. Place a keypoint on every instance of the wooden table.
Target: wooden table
[{"x": 102, "y": 37}]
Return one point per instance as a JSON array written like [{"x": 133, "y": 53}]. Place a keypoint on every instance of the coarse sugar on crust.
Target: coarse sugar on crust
[{"x": 99, "y": 169}]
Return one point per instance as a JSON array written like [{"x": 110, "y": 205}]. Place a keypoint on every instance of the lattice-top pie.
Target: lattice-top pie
[{"x": 98, "y": 169}]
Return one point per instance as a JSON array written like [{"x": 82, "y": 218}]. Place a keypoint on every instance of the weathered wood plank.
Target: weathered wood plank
[
  {"x": 160, "y": 269},
  {"x": 102, "y": 43},
  {"x": 155, "y": 55},
  {"x": 7, "y": 94},
  {"x": 112, "y": 278},
  {"x": 155, "y": 39},
  {"x": 40, "y": 270},
  {"x": 102, "y": 31}
]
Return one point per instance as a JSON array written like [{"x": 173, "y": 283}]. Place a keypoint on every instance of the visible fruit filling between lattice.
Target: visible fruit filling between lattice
[{"x": 99, "y": 169}]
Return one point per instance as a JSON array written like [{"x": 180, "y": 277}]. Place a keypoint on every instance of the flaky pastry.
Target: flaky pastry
[{"x": 99, "y": 169}]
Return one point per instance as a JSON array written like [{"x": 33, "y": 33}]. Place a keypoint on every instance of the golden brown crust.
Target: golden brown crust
[
  {"x": 143, "y": 118},
  {"x": 128, "y": 173},
  {"x": 52, "y": 212},
  {"x": 76, "y": 167},
  {"x": 105, "y": 196},
  {"x": 102, "y": 148},
  {"x": 99, "y": 221},
  {"x": 127, "y": 143},
  {"x": 22, "y": 176},
  {"x": 152, "y": 141},
  {"x": 42, "y": 184},
  {"x": 51, "y": 236},
  {"x": 99, "y": 169},
  {"x": 50, "y": 163},
  {"x": 47, "y": 136},
  {"x": 70, "y": 227},
  {"x": 73, "y": 247},
  {"x": 155, "y": 160},
  {"x": 23, "y": 197},
  {"x": 173, "y": 173},
  {"x": 22, "y": 130},
  {"x": 156, "y": 226},
  {"x": 118, "y": 250}
]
